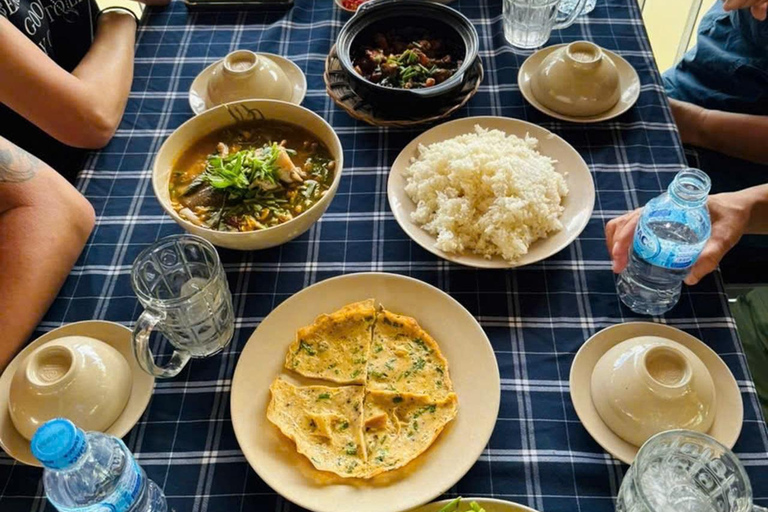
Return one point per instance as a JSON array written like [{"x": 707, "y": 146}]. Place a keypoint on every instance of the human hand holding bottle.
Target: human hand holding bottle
[{"x": 732, "y": 215}]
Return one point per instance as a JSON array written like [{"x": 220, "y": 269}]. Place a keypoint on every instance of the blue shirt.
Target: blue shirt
[{"x": 728, "y": 68}]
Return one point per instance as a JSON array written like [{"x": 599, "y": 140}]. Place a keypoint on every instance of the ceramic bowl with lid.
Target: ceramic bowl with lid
[
  {"x": 74, "y": 377},
  {"x": 243, "y": 75},
  {"x": 648, "y": 384},
  {"x": 577, "y": 80}
]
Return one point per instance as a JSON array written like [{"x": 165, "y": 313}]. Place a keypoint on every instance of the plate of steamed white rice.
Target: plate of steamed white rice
[{"x": 491, "y": 192}]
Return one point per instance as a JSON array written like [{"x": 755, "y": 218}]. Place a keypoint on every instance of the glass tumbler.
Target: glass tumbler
[
  {"x": 181, "y": 284},
  {"x": 529, "y": 23},
  {"x": 684, "y": 471}
]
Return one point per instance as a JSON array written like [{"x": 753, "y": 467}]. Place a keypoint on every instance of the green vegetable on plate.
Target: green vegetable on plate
[{"x": 455, "y": 504}]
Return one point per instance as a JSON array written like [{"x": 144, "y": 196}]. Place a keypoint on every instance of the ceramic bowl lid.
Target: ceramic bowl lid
[
  {"x": 577, "y": 80},
  {"x": 648, "y": 384}
]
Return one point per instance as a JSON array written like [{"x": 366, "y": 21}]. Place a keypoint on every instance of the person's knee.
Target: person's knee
[
  {"x": 83, "y": 215},
  {"x": 59, "y": 203}
]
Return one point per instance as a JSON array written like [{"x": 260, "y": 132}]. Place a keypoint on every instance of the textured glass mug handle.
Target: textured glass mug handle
[
  {"x": 567, "y": 22},
  {"x": 144, "y": 326},
  {"x": 757, "y": 508}
]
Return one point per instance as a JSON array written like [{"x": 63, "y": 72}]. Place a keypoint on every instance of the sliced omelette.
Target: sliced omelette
[
  {"x": 326, "y": 423},
  {"x": 335, "y": 347},
  {"x": 393, "y": 394},
  {"x": 405, "y": 359},
  {"x": 400, "y": 427}
]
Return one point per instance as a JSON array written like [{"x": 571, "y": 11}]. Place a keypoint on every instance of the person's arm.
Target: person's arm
[
  {"x": 82, "y": 108},
  {"x": 733, "y": 214},
  {"x": 44, "y": 224},
  {"x": 740, "y": 135}
]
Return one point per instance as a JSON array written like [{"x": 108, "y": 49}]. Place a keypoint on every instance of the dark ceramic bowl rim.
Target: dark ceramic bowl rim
[{"x": 470, "y": 51}]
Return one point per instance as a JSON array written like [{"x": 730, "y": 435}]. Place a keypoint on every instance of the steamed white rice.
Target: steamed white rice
[{"x": 486, "y": 192}]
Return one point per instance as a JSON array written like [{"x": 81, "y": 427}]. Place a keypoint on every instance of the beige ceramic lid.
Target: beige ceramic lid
[
  {"x": 75, "y": 377},
  {"x": 579, "y": 80},
  {"x": 490, "y": 505},
  {"x": 115, "y": 335},
  {"x": 578, "y": 203},
  {"x": 198, "y": 91},
  {"x": 473, "y": 370},
  {"x": 729, "y": 408},
  {"x": 629, "y": 83},
  {"x": 649, "y": 384}
]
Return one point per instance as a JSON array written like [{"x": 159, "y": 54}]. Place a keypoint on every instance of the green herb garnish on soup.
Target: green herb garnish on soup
[
  {"x": 455, "y": 506},
  {"x": 251, "y": 176}
]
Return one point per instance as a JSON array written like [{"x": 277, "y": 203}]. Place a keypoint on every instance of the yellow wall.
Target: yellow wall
[{"x": 665, "y": 21}]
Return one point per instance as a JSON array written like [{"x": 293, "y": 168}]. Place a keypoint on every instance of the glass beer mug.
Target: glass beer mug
[
  {"x": 684, "y": 471},
  {"x": 181, "y": 284},
  {"x": 529, "y": 23}
]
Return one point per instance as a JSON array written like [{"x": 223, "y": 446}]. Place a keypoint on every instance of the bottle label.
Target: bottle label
[
  {"x": 126, "y": 494},
  {"x": 655, "y": 251}
]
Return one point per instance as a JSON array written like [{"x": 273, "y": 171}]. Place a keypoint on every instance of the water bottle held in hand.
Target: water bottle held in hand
[
  {"x": 92, "y": 472},
  {"x": 671, "y": 233}
]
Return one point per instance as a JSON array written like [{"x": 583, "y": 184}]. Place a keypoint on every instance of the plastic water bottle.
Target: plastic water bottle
[
  {"x": 669, "y": 237},
  {"x": 92, "y": 472}
]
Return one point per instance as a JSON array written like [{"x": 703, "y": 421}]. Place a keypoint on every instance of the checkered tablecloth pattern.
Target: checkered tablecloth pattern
[{"x": 536, "y": 317}]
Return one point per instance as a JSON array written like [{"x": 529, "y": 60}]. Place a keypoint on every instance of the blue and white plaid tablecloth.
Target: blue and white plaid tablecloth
[{"x": 536, "y": 317}]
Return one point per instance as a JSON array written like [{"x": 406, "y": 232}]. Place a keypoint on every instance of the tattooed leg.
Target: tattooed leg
[
  {"x": 16, "y": 165},
  {"x": 44, "y": 224}
]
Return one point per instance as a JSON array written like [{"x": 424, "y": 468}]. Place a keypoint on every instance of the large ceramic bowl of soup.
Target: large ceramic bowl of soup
[{"x": 249, "y": 175}]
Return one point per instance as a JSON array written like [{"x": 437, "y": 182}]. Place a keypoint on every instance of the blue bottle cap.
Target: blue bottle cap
[{"x": 58, "y": 443}]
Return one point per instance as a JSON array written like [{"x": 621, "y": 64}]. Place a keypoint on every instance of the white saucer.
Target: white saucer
[
  {"x": 729, "y": 408},
  {"x": 197, "y": 93},
  {"x": 115, "y": 335},
  {"x": 628, "y": 79}
]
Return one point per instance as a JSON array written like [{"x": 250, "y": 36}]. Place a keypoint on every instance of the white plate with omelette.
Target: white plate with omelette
[{"x": 334, "y": 392}]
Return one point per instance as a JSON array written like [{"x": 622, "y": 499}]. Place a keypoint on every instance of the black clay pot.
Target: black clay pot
[{"x": 381, "y": 15}]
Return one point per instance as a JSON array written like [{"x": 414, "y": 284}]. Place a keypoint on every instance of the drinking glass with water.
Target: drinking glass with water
[
  {"x": 671, "y": 233},
  {"x": 529, "y": 23},
  {"x": 684, "y": 471},
  {"x": 181, "y": 283}
]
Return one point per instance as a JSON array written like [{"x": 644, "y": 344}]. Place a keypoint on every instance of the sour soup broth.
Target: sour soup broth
[{"x": 251, "y": 176}]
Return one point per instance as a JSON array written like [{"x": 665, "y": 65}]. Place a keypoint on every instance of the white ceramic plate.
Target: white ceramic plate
[
  {"x": 729, "y": 408},
  {"x": 112, "y": 334},
  {"x": 578, "y": 203},
  {"x": 490, "y": 505},
  {"x": 198, "y": 91},
  {"x": 473, "y": 369},
  {"x": 629, "y": 82}
]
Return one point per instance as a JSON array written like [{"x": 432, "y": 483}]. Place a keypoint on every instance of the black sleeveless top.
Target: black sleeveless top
[{"x": 64, "y": 30}]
